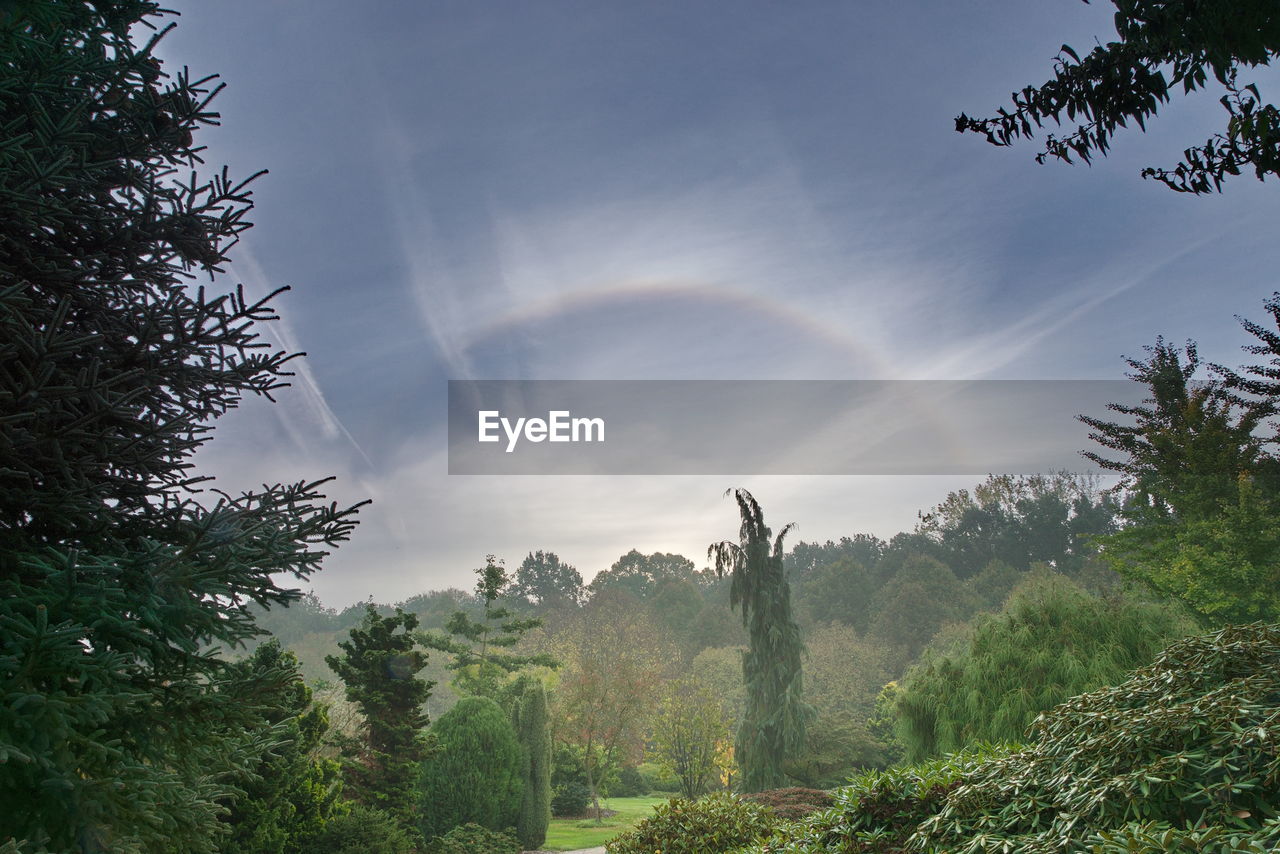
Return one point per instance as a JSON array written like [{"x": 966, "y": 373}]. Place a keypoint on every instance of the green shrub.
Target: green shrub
[
  {"x": 657, "y": 779},
  {"x": 363, "y": 830},
  {"x": 631, "y": 784},
  {"x": 710, "y": 825},
  {"x": 476, "y": 772},
  {"x": 1183, "y": 756},
  {"x": 794, "y": 802},
  {"x": 473, "y": 839},
  {"x": 1052, "y": 641},
  {"x": 879, "y": 810},
  {"x": 571, "y": 799}
]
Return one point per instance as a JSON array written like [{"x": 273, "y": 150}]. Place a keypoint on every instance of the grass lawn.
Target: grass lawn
[{"x": 568, "y": 834}]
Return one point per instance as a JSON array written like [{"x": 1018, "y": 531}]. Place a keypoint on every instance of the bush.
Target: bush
[
  {"x": 879, "y": 810},
  {"x": 475, "y": 774},
  {"x": 631, "y": 784},
  {"x": 571, "y": 799},
  {"x": 1052, "y": 641},
  {"x": 363, "y": 830},
  {"x": 657, "y": 779},
  {"x": 473, "y": 839},
  {"x": 794, "y": 802},
  {"x": 1183, "y": 756},
  {"x": 710, "y": 825}
]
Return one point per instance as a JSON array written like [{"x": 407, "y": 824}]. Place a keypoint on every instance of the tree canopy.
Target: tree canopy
[
  {"x": 1162, "y": 46},
  {"x": 119, "y": 580}
]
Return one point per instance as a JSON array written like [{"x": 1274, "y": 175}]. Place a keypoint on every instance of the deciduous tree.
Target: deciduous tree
[
  {"x": 689, "y": 733},
  {"x": 1162, "y": 46}
]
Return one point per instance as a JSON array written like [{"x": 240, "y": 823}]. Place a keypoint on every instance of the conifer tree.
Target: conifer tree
[
  {"x": 480, "y": 648},
  {"x": 530, "y": 719},
  {"x": 292, "y": 795},
  {"x": 773, "y": 724},
  {"x": 118, "y": 581},
  {"x": 379, "y": 665},
  {"x": 474, "y": 775}
]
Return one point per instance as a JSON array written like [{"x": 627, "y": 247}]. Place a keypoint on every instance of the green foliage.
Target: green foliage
[
  {"x": 614, "y": 660},
  {"x": 530, "y": 722},
  {"x": 361, "y": 830},
  {"x": 1189, "y": 443},
  {"x": 919, "y": 599},
  {"x": 1180, "y": 757},
  {"x": 715, "y": 824},
  {"x": 774, "y": 720},
  {"x": 1053, "y": 640},
  {"x": 546, "y": 581},
  {"x": 690, "y": 734},
  {"x": 379, "y": 666},
  {"x": 843, "y": 674},
  {"x": 473, "y": 839},
  {"x": 120, "y": 728},
  {"x": 570, "y": 799},
  {"x": 291, "y": 794},
  {"x": 1125, "y": 81},
  {"x": 879, "y": 810},
  {"x": 837, "y": 592},
  {"x": 1225, "y": 568},
  {"x": 883, "y": 724},
  {"x": 475, "y": 774},
  {"x": 1203, "y": 492},
  {"x": 794, "y": 802},
  {"x": 1018, "y": 522},
  {"x": 1190, "y": 741},
  {"x": 641, "y": 575},
  {"x": 479, "y": 663}
]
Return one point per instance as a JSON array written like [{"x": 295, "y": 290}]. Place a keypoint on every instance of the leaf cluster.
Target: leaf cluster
[
  {"x": 1162, "y": 46},
  {"x": 716, "y": 824}
]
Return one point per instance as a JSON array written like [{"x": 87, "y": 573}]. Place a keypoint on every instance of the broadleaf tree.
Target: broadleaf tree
[
  {"x": 772, "y": 729},
  {"x": 1201, "y": 483},
  {"x": 119, "y": 580},
  {"x": 1162, "y": 46}
]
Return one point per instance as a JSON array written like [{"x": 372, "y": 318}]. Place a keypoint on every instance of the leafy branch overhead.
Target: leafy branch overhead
[{"x": 1163, "y": 45}]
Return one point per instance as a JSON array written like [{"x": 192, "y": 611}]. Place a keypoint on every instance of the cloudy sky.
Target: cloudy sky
[{"x": 567, "y": 189}]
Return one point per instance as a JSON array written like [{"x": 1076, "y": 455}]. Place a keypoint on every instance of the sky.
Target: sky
[{"x": 613, "y": 190}]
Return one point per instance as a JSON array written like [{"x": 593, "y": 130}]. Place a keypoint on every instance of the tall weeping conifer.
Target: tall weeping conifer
[{"x": 774, "y": 721}]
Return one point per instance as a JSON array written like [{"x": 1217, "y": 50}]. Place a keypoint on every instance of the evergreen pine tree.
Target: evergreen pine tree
[
  {"x": 481, "y": 648},
  {"x": 773, "y": 724},
  {"x": 379, "y": 665},
  {"x": 118, "y": 731}
]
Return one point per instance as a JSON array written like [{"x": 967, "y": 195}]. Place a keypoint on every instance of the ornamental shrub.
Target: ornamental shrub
[
  {"x": 362, "y": 830},
  {"x": 794, "y": 802},
  {"x": 716, "y": 823},
  {"x": 1182, "y": 756},
  {"x": 475, "y": 773},
  {"x": 570, "y": 799},
  {"x": 473, "y": 839}
]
